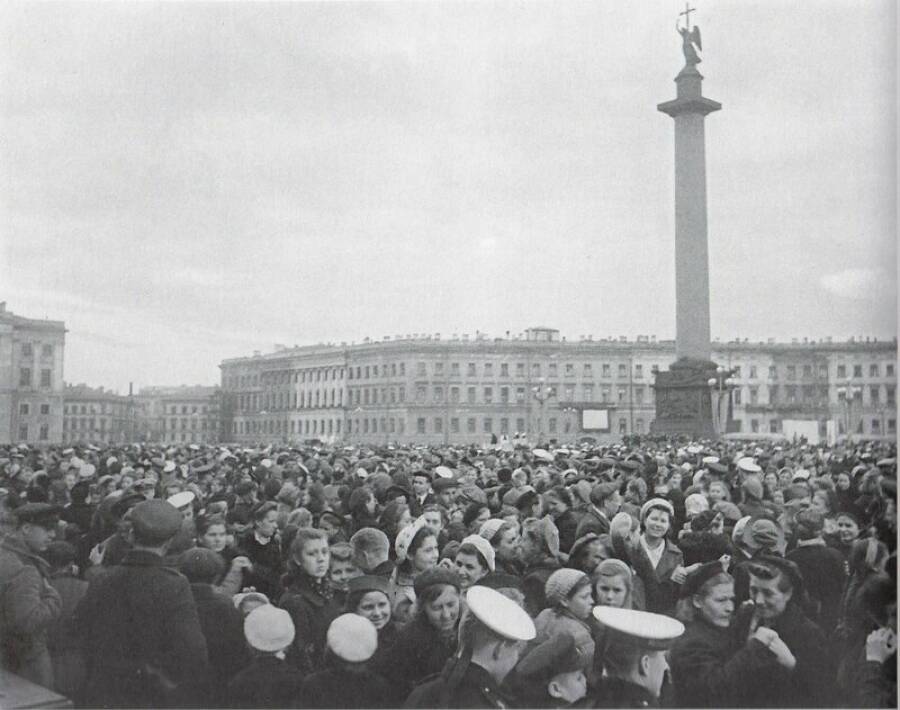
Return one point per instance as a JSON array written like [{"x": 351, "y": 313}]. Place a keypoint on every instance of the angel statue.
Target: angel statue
[{"x": 690, "y": 37}]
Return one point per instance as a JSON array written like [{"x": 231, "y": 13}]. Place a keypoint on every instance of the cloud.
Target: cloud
[{"x": 859, "y": 284}]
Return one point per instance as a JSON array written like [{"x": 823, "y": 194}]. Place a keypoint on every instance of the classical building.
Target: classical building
[
  {"x": 100, "y": 416},
  {"x": 180, "y": 415},
  {"x": 31, "y": 379},
  {"x": 469, "y": 390}
]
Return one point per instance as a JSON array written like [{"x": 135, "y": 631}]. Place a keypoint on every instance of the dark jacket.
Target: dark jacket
[
  {"x": 62, "y": 640},
  {"x": 533, "y": 583},
  {"x": 567, "y": 525},
  {"x": 703, "y": 546},
  {"x": 476, "y": 689},
  {"x": 709, "y": 670},
  {"x": 223, "y": 629},
  {"x": 811, "y": 682},
  {"x": 28, "y": 607},
  {"x": 660, "y": 591},
  {"x": 417, "y": 653},
  {"x": 268, "y": 682},
  {"x": 312, "y": 613},
  {"x": 618, "y": 693},
  {"x": 267, "y": 564},
  {"x": 824, "y": 577},
  {"x": 141, "y": 635},
  {"x": 345, "y": 688},
  {"x": 593, "y": 521}
]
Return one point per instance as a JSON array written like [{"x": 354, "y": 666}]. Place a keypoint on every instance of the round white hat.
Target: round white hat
[
  {"x": 500, "y": 614},
  {"x": 543, "y": 454},
  {"x": 352, "y": 638},
  {"x": 269, "y": 629},
  {"x": 748, "y": 465},
  {"x": 443, "y": 472},
  {"x": 647, "y": 629},
  {"x": 181, "y": 500}
]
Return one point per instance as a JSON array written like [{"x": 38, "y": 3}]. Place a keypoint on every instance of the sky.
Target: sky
[{"x": 183, "y": 183}]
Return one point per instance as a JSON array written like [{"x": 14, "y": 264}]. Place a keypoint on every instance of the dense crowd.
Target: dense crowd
[{"x": 651, "y": 572}]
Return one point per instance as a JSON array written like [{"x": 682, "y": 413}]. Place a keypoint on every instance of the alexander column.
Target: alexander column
[{"x": 683, "y": 396}]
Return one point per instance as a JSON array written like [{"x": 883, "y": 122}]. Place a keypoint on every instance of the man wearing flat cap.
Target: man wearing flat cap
[
  {"x": 149, "y": 650},
  {"x": 30, "y": 604}
]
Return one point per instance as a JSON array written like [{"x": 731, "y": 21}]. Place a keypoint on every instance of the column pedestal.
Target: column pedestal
[{"x": 684, "y": 400}]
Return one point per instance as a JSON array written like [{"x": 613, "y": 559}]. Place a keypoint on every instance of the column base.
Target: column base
[{"x": 683, "y": 399}]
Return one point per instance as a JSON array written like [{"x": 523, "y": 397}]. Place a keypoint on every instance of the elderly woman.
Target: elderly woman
[{"x": 707, "y": 669}]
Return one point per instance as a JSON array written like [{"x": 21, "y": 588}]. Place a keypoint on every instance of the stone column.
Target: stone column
[{"x": 691, "y": 253}]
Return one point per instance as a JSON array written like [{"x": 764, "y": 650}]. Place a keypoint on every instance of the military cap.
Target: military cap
[
  {"x": 182, "y": 499},
  {"x": 201, "y": 565},
  {"x": 555, "y": 655},
  {"x": 155, "y": 521},
  {"x": 748, "y": 465},
  {"x": 700, "y": 576},
  {"x": 423, "y": 473},
  {"x": 642, "y": 629},
  {"x": 718, "y": 467},
  {"x": 500, "y": 614},
  {"x": 43, "y": 515}
]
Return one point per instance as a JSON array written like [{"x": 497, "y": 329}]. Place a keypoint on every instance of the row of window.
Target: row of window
[
  {"x": 311, "y": 427},
  {"x": 173, "y": 409},
  {"x": 487, "y": 425},
  {"x": 43, "y": 432},
  {"x": 25, "y": 409},
  {"x": 25, "y": 377},
  {"x": 285, "y": 377},
  {"x": 28, "y": 350},
  {"x": 94, "y": 409},
  {"x": 173, "y": 424},
  {"x": 86, "y": 424},
  {"x": 279, "y": 401},
  {"x": 815, "y": 394},
  {"x": 822, "y": 371},
  {"x": 519, "y": 394}
]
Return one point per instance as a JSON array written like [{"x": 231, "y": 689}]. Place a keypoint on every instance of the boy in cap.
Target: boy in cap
[
  {"x": 490, "y": 635},
  {"x": 269, "y": 681},
  {"x": 634, "y": 656},
  {"x": 149, "y": 649},
  {"x": 30, "y": 604},
  {"x": 551, "y": 674},
  {"x": 347, "y": 682}
]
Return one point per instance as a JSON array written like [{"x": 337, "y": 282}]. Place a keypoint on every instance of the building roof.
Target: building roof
[
  {"x": 10, "y": 318},
  {"x": 82, "y": 391}
]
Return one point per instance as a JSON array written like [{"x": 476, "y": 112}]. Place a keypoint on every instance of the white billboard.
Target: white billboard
[
  {"x": 592, "y": 419},
  {"x": 801, "y": 427}
]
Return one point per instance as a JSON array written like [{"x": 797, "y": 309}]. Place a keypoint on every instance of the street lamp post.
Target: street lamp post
[
  {"x": 568, "y": 412},
  {"x": 720, "y": 391},
  {"x": 847, "y": 392},
  {"x": 541, "y": 393}
]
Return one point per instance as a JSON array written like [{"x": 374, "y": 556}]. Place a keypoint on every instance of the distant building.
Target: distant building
[
  {"x": 31, "y": 379},
  {"x": 96, "y": 415},
  {"x": 181, "y": 415},
  {"x": 424, "y": 389}
]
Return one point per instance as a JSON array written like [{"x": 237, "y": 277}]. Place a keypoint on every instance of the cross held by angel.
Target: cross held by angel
[{"x": 690, "y": 37}]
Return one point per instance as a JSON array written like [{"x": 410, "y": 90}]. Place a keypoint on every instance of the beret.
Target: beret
[
  {"x": 155, "y": 521},
  {"x": 435, "y": 575},
  {"x": 269, "y": 629},
  {"x": 490, "y": 528},
  {"x": 484, "y": 548},
  {"x": 700, "y": 576},
  {"x": 352, "y": 638},
  {"x": 602, "y": 491}
]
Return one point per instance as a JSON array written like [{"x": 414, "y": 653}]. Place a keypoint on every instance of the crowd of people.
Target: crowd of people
[{"x": 659, "y": 572}]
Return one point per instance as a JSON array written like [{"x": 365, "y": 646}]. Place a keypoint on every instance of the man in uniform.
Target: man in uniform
[
  {"x": 634, "y": 656},
  {"x": 28, "y": 603},
  {"x": 139, "y": 624},
  {"x": 490, "y": 638}
]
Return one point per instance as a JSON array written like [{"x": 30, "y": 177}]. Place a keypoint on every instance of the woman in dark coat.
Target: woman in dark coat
[
  {"x": 559, "y": 502},
  {"x": 425, "y": 644},
  {"x": 262, "y": 546},
  {"x": 309, "y": 597},
  {"x": 369, "y": 596},
  {"x": 540, "y": 549},
  {"x": 708, "y": 669}
]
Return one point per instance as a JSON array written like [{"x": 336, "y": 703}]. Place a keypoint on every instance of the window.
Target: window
[
  {"x": 45, "y": 409},
  {"x": 623, "y": 426},
  {"x": 792, "y": 372},
  {"x": 488, "y": 395},
  {"x": 47, "y": 350},
  {"x": 470, "y": 395},
  {"x": 551, "y": 425},
  {"x": 470, "y": 425},
  {"x": 23, "y": 432},
  {"x": 773, "y": 426},
  {"x": 488, "y": 425},
  {"x": 401, "y": 394},
  {"x": 621, "y": 394},
  {"x": 570, "y": 393},
  {"x": 504, "y": 395},
  {"x": 520, "y": 394},
  {"x": 454, "y": 369},
  {"x": 605, "y": 370},
  {"x": 420, "y": 394},
  {"x": 737, "y": 395},
  {"x": 873, "y": 370},
  {"x": 420, "y": 369},
  {"x": 857, "y": 371},
  {"x": 587, "y": 370},
  {"x": 25, "y": 377},
  {"x": 454, "y": 425},
  {"x": 488, "y": 369},
  {"x": 454, "y": 394},
  {"x": 587, "y": 393},
  {"x": 752, "y": 372},
  {"x": 891, "y": 426},
  {"x": 773, "y": 372},
  {"x": 374, "y": 372},
  {"x": 438, "y": 425},
  {"x": 841, "y": 371},
  {"x": 604, "y": 393},
  {"x": 27, "y": 350},
  {"x": 470, "y": 370},
  {"x": 438, "y": 394},
  {"x": 639, "y": 395},
  {"x": 889, "y": 370},
  {"x": 420, "y": 425},
  {"x": 654, "y": 369},
  {"x": 402, "y": 374},
  {"x": 790, "y": 393},
  {"x": 504, "y": 369},
  {"x": 738, "y": 425},
  {"x": 874, "y": 395},
  {"x": 807, "y": 370},
  {"x": 754, "y": 395},
  {"x": 876, "y": 426},
  {"x": 754, "y": 426},
  {"x": 438, "y": 369},
  {"x": 553, "y": 369},
  {"x": 24, "y": 409},
  {"x": 622, "y": 370},
  {"x": 570, "y": 370},
  {"x": 890, "y": 390},
  {"x": 520, "y": 424},
  {"x": 638, "y": 371},
  {"x": 520, "y": 369},
  {"x": 536, "y": 369}
]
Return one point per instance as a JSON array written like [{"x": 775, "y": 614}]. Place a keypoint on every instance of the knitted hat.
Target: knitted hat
[
  {"x": 352, "y": 638},
  {"x": 435, "y": 575},
  {"x": 694, "y": 504},
  {"x": 269, "y": 629},
  {"x": 490, "y": 528},
  {"x": 201, "y": 565},
  {"x": 763, "y": 534},
  {"x": 561, "y": 583},
  {"x": 484, "y": 548},
  {"x": 657, "y": 503}
]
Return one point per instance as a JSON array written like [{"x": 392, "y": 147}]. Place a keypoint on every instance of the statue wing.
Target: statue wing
[{"x": 695, "y": 37}]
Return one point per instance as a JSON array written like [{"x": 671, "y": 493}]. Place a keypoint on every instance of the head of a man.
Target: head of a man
[{"x": 370, "y": 548}]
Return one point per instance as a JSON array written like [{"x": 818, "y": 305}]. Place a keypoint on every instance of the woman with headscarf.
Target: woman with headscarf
[
  {"x": 540, "y": 552},
  {"x": 416, "y": 549}
]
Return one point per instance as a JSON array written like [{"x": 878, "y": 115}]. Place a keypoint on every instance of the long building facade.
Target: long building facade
[
  {"x": 187, "y": 414},
  {"x": 431, "y": 390},
  {"x": 96, "y": 415},
  {"x": 31, "y": 379}
]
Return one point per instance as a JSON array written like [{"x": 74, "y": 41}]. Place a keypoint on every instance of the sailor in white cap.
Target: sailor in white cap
[
  {"x": 490, "y": 639},
  {"x": 634, "y": 658}
]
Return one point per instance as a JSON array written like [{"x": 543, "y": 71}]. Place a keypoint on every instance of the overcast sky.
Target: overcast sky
[{"x": 183, "y": 183}]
